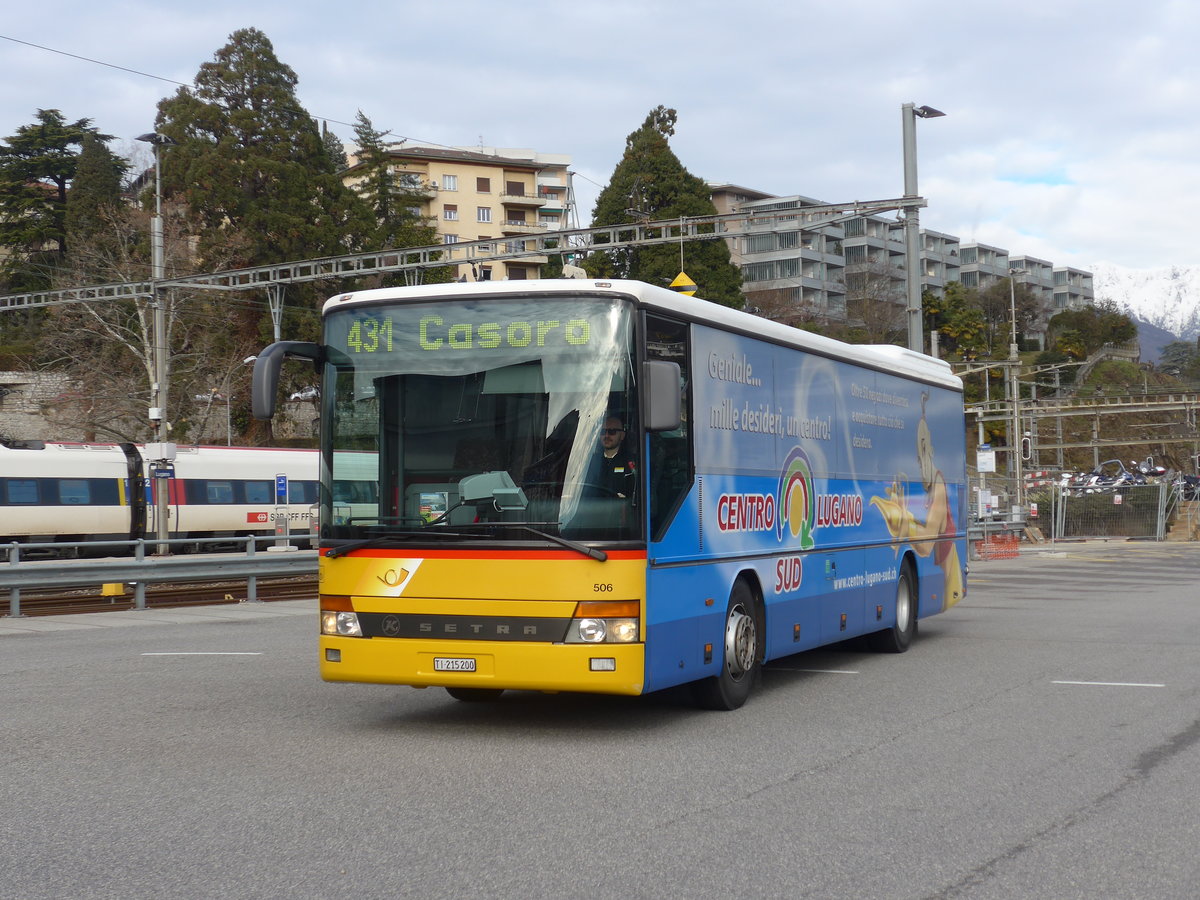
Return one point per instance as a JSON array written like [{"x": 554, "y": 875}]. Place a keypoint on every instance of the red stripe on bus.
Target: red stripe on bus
[{"x": 399, "y": 553}]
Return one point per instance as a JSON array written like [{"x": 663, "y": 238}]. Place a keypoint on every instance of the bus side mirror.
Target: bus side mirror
[
  {"x": 664, "y": 401},
  {"x": 264, "y": 385}
]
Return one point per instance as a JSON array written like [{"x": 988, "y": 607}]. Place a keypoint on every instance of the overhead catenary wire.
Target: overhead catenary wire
[{"x": 100, "y": 62}]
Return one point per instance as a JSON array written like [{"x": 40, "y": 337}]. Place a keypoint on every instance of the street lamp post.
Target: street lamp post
[
  {"x": 1014, "y": 363},
  {"x": 912, "y": 228},
  {"x": 163, "y": 452},
  {"x": 1012, "y": 300}
]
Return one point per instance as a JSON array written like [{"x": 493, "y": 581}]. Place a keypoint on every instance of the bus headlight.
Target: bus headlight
[
  {"x": 592, "y": 631},
  {"x": 623, "y": 631},
  {"x": 604, "y": 622},
  {"x": 603, "y": 631},
  {"x": 343, "y": 624}
]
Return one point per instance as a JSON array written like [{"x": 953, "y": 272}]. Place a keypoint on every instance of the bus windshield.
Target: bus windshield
[{"x": 490, "y": 419}]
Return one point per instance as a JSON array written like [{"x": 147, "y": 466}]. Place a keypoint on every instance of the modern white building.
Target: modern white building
[{"x": 796, "y": 267}]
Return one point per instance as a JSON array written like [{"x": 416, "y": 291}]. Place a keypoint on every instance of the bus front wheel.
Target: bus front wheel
[
  {"x": 897, "y": 638},
  {"x": 741, "y": 656}
]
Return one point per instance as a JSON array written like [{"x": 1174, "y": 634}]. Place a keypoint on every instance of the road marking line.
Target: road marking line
[
  {"x": 819, "y": 671},
  {"x": 239, "y": 653},
  {"x": 1110, "y": 683}
]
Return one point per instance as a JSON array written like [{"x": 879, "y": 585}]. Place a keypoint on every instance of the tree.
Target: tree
[
  {"x": 1177, "y": 355},
  {"x": 1114, "y": 326},
  {"x": 958, "y": 319},
  {"x": 997, "y": 301},
  {"x": 250, "y": 158},
  {"x": 1081, "y": 332},
  {"x": 335, "y": 148},
  {"x": 37, "y": 165},
  {"x": 650, "y": 183},
  {"x": 95, "y": 196},
  {"x": 394, "y": 202},
  {"x": 875, "y": 309},
  {"x": 116, "y": 337}
]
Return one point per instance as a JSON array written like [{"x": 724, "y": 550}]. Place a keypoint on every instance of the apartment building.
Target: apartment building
[
  {"x": 731, "y": 198},
  {"x": 940, "y": 262},
  {"x": 981, "y": 266},
  {"x": 793, "y": 265},
  {"x": 1073, "y": 288},
  {"x": 796, "y": 266},
  {"x": 487, "y": 197}
]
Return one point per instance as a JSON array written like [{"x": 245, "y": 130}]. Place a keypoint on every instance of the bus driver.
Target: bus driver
[{"x": 612, "y": 469}]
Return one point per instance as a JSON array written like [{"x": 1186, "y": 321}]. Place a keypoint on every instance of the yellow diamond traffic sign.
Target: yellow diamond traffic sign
[{"x": 684, "y": 285}]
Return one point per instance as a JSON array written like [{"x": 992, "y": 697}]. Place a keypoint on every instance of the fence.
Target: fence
[
  {"x": 1129, "y": 511},
  {"x": 141, "y": 570}
]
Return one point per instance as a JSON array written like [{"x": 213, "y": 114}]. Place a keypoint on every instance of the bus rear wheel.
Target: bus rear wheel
[
  {"x": 474, "y": 695},
  {"x": 897, "y": 638},
  {"x": 741, "y": 656}
]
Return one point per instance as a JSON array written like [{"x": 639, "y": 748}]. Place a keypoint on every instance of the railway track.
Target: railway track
[{"x": 163, "y": 596}]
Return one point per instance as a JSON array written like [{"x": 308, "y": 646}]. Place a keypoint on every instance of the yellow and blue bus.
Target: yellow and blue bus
[{"x": 605, "y": 486}]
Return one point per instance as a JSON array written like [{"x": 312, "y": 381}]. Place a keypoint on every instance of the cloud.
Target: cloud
[{"x": 1068, "y": 131}]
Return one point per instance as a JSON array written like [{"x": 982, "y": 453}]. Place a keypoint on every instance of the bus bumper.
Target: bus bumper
[{"x": 589, "y": 668}]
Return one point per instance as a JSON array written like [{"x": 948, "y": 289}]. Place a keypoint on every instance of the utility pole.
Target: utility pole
[
  {"x": 162, "y": 453},
  {"x": 912, "y": 227},
  {"x": 1014, "y": 362}
]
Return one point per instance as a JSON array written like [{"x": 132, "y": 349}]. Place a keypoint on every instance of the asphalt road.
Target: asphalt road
[{"x": 1042, "y": 739}]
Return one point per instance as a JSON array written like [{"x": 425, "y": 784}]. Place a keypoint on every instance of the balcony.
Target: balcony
[
  {"x": 530, "y": 201},
  {"x": 519, "y": 226},
  {"x": 554, "y": 202},
  {"x": 419, "y": 186}
]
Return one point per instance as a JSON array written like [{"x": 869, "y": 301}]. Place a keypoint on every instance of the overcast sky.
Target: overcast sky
[{"x": 1071, "y": 132}]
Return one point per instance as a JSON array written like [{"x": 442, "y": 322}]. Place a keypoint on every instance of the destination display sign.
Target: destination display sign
[{"x": 413, "y": 337}]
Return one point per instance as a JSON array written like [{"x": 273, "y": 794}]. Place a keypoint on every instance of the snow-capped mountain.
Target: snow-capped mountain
[{"x": 1166, "y": 298}]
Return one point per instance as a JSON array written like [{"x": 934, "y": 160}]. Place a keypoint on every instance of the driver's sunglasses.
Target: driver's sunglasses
[{"x": 614, "y": 430}]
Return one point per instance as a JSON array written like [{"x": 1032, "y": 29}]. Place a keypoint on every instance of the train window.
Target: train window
[
  {"x": 21, "y": 490},
  {"x": 302, "y": 492},
  {"x": 260, "y": 491},
  {"x": 74, "y": 492},
  {"x": 220, "y": 491}
]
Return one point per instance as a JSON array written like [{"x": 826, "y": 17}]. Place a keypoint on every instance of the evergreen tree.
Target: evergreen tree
[
  {"x": 335, "y": 148},
  {"x": 650, "y": 183},
  {"x": 396, "y": 204},
  {"x": 251, "y": 158},
  {"x": 37, "y": 165},
  {"x": 95, "y": 196},
  {"x": 1177, "y": 355}
]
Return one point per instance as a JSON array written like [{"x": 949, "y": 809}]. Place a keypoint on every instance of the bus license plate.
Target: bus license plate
[{"x": 453, "y": 664}]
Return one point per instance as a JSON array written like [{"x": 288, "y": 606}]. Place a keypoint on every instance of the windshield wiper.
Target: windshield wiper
[
  {"x": 598, "y": 555},
  {"x": 376, "y": 540},
  {"x": 591, "y": 552}
]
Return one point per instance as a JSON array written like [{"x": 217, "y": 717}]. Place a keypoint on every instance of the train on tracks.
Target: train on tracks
[{"x": 76, "y": 493}]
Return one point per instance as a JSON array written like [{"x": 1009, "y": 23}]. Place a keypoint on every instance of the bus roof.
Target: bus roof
[{"x": 885, "y": 357}]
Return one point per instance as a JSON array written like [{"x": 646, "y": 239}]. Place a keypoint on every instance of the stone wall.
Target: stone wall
[
  {"x": 29, "y": 399},
  {"x": 25, "y": 399}
]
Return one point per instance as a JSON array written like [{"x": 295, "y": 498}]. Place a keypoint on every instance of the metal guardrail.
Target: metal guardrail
[{"x": 26, "y": 574}]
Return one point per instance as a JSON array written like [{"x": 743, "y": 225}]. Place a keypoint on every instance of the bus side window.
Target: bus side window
[{"x": 670, "y": 464}]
